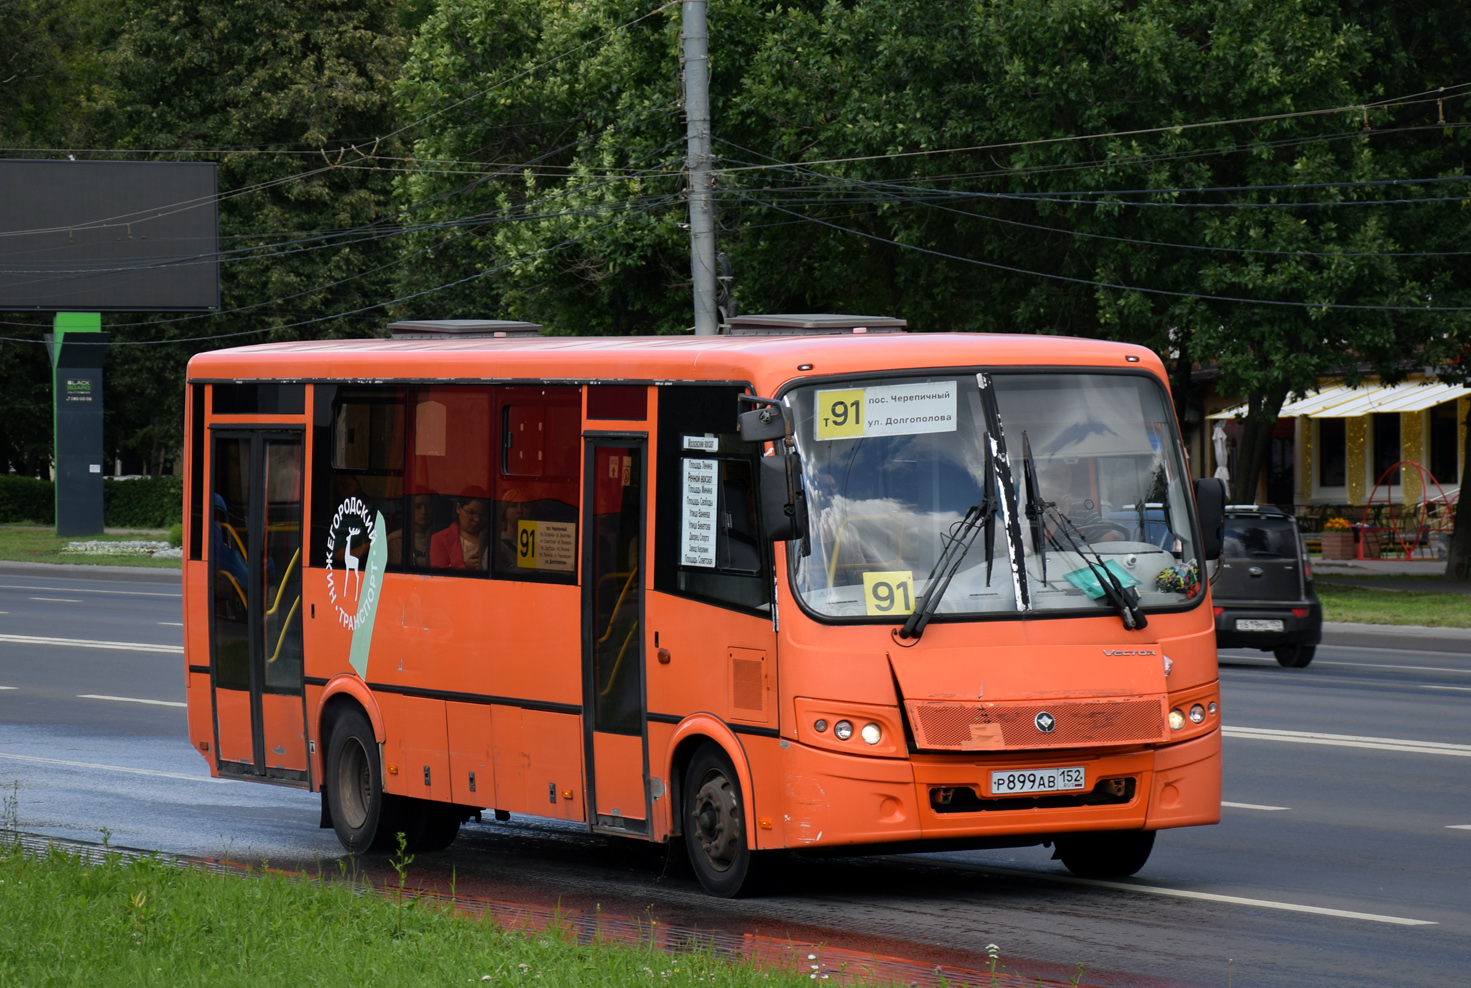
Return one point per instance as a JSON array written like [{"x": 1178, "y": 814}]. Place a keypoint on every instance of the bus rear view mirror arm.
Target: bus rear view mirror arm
[{"x": 1210, "y": 505}]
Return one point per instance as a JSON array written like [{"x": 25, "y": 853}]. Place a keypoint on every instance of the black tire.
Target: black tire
[
  {"x": 367, "y": 819},
  {"x": 1106, "y": 854},
  {"x": 714, "y": 824},
  {"x": 1295, "y": 656}
]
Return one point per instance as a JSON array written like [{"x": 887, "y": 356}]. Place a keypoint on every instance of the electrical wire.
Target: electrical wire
[{"x": 1120, "y": 287}]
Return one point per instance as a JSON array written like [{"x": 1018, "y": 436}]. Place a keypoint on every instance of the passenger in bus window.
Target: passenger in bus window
[
  {"x": 417, "y": 537},
  {"x": 514, "y": 510},
  {"x": 462, "y": 544}
]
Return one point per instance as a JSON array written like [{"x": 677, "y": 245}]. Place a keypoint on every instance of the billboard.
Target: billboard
[{"x": 107, "y": 236}]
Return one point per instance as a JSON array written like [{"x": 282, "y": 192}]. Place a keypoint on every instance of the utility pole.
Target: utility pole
[{"x": 702, "y": 208}]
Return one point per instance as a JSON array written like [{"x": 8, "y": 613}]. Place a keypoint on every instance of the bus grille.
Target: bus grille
[{"x": 947, "y": 725}]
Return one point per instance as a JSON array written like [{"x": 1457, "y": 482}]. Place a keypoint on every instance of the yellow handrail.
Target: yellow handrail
[
  {"x": 612, "y": 618},
  {"x": 281, "y": 638},
  {"x": 281, "y": 590},
  {"x": 238, "y": 589},
  {"x": 613, "y": 676}
]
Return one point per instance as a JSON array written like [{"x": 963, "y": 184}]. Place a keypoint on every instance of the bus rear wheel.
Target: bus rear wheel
[
  {"x": 365, "y": 817},
  {"x": 1106, "y": 854},
  {"x": 714, "y": 824}
]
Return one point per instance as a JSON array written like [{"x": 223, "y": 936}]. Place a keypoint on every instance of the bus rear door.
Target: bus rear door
[{"x": 255, "y": 589}]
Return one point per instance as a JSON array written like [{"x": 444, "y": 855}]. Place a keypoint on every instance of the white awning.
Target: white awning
[{"x": 1343, "y": 402}]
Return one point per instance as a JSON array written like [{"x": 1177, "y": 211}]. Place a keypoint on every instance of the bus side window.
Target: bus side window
[
  {"x": 536, "y": 491},
  {"x": 359, "y": 467},
  {"x": 450, "y": 463},
  {"x": 707, "y": 491}
]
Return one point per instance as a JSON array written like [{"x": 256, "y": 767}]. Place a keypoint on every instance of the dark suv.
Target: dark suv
[{"x": 1264, "y": 595}]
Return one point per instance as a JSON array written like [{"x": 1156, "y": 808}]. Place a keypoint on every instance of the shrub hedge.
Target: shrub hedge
[{"x": 152, "y": 502}]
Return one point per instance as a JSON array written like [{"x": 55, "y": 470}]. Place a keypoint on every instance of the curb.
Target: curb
[
  {"x": 1397, "y": 630},
  {"x": 134, "y": 574}
]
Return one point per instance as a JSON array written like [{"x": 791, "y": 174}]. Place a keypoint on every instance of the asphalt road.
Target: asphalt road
[{"x": 1343, "y": 856}]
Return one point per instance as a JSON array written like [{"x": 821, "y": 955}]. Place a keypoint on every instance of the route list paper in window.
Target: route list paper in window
[{"x": 697, "y": 523}]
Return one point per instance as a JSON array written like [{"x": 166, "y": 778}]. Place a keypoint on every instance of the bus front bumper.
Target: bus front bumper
[{"x": 835, "y": 799}]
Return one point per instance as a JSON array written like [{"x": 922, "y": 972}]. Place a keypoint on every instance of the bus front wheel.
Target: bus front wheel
[
  {"x": 715, "y": 825},
  {"x": 364, "y": 816},
  {"x": 1106, "y": 854}
]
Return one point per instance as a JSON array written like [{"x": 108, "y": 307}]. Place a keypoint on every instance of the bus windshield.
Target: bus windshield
[{"x": 1092, "y": 489}]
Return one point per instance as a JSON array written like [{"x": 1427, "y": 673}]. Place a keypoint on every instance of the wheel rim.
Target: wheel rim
[
  {"x": 354, "y": 784},
  {"x": 715, "y": 816}
]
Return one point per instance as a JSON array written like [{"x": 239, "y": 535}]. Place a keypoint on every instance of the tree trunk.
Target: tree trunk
[
  {"x": 1458, "y": 563},
  {"x": 1256, "y": 443}
]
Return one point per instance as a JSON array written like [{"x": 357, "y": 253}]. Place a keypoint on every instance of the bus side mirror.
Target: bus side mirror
[
  {"x": 762, "y": 424},
  {"x": 1210, "y": 506},
  {"x": 783, "y": 507}
]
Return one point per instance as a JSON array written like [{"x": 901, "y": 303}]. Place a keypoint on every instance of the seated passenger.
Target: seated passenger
[
  {"x": 462, "y": 545},
  {"x": 515, "y": 510},
  {"x": 417, "y": 537}
]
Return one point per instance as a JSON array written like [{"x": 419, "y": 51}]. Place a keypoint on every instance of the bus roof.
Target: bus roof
[{"x": 766, "y": 361}]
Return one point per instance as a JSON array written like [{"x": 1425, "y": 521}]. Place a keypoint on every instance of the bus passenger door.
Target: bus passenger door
[
  {"x": 255, "y": 553},
  {"x": 612, "y": 635}
]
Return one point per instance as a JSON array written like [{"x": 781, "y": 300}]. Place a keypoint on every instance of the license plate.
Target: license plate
[
  {"x": 1040, "y": 780},
  {"x": 1258, "y": 624}
]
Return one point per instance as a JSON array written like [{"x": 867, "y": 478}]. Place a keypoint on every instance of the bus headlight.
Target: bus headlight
[
  {"x": 872, "y": 734},
  {"x": 1177, "y": 720},
  {"x": 1197, "y": 714},
  {"x": 843, "y": 730}
]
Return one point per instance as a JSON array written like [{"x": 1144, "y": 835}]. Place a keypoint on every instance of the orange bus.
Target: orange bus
[{"x": 818, "y": 583}]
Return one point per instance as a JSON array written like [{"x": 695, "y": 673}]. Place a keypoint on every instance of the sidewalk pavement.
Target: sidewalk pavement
[{"x": 1417, "y": 575}]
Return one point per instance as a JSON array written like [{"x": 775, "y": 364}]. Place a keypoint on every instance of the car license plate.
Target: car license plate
[
  {"x": 1258, "y": 624},
  {"x": 1040, "y": 780}
]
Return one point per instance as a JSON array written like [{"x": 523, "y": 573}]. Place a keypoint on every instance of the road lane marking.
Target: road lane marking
[
  {"x": 172, "y": 624},
  {"x": 1461, "y": 689},
  {"x": 1391, "y": 665},
  {"x": 9, "y": 687},
  {"x": 87, "y": 643},
  {"x": 1348, "y": 741},
  {"x": 123, "y": 593},
  {"x": 1236, "y": 900},
  {"x": 1253, "y": 806},
  {"x": 1459, "y": 826},
  {"x": 130, "y": 699},
  {"x": 112, "y": 768},
  {"x": 57, "y": 600}
]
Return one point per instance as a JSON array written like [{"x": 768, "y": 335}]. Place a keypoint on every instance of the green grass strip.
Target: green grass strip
[
  {"x": 1365, "y": 606},
  {"x": 148, "y": 921},
  {"x": 35, "y": 544}
]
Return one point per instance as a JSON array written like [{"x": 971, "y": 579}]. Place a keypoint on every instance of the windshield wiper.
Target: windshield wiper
[
  {"x": 1036, "y": 507},
  {"x": 981, "y": 515},
  {"x": 1124, "y": 599}
]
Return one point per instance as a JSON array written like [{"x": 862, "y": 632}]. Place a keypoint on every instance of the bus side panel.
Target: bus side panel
[
  {"x": 661, "y": 827},
  {"x": 538, "y": 763},
  {"x": 417, "y": 748},
  {"x": 281, "y": 717},
  {"x": 533, "y": 641},
  {"x": 201, "y": 717},
  {"x": 196, "y": 656},
  {"x": 472, "y": 780},
  {"x": 234, "y": 708},
  {"x": 767, "y": 760},
  {"x": 715, "y": 661}
]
